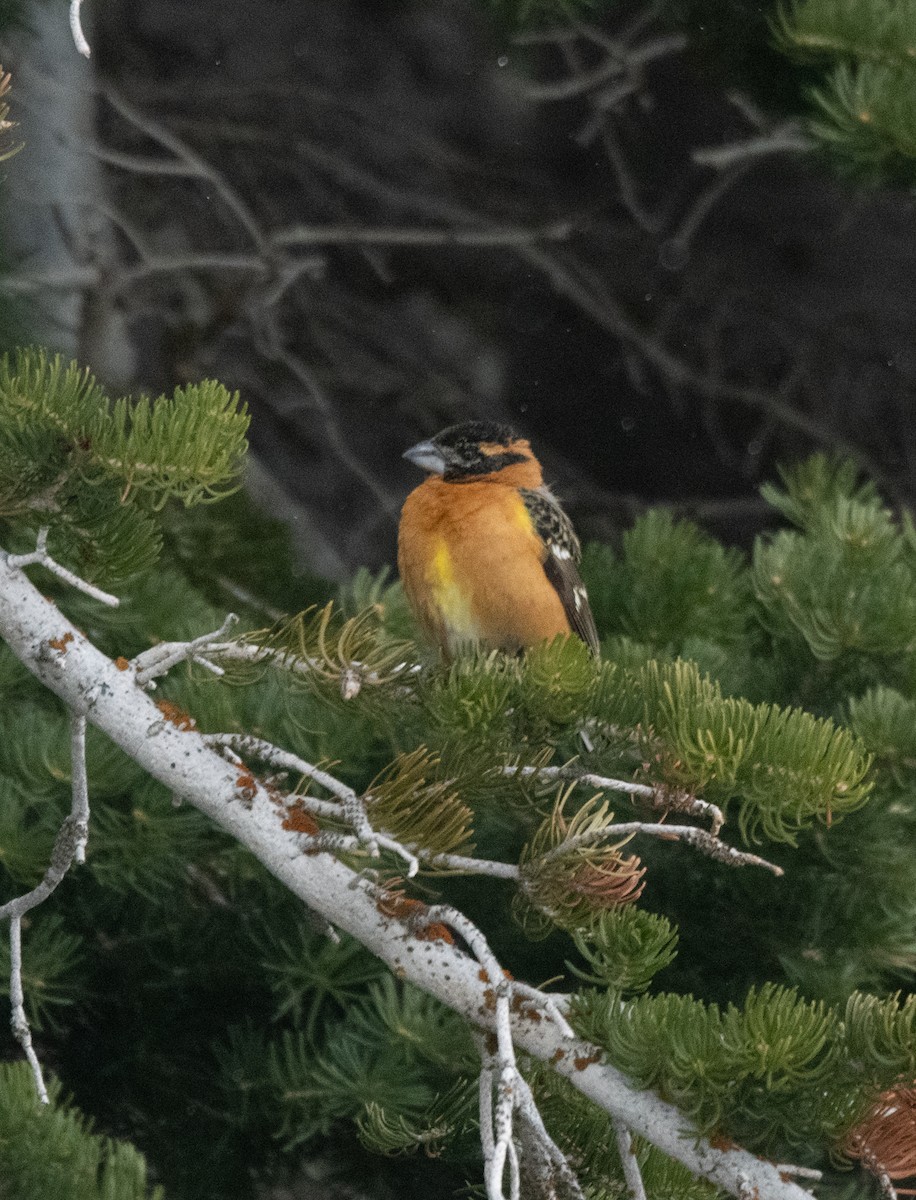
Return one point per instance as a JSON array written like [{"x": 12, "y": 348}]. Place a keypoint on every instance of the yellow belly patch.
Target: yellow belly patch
[{"x": 451, "y": 602}]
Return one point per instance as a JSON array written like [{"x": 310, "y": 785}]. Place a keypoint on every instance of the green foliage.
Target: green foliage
[
  {"x": 570, "y": 877},
  {"x": 847, "y": 581},
  {"x": 881, "y": 1037},
  {"x": 885, "y": 720},
  {"x": 625, "y": 948},
  {"x": 407, "y": 801},
  {"x": 74, "y": 1163},
  {"x": 310, "y": 975},
  {"x": 672, "y": 582},
  {"x": 863, "y": 115},
  {"x": 382, "y": 1066},
  {"x": 784, "y": 766},
  {"x": 95, "y": 470},
  {"x": 882, "y": 31},
  {"x": 50, "y": 965}
]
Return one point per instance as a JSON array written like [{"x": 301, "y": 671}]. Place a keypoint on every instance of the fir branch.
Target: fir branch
[
  {"x": 318, "y": 644},
  {"x": 882, "y": 31},
  {"x": 182, "y": 761}
]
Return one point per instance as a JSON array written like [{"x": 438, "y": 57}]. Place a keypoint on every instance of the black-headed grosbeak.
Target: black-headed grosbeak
[{"x": 486, "y": 554}]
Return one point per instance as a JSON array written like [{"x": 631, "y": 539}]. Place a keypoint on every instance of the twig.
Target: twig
[
  {"x": 547, "y": 1003},
  {"x": 786, "y": 139},
  {"x": 18, "y": 1019},
  {"x": 574, "y": 85},
  {"x": 355, "y": 235},
  {"x": 246, "y": 652},
  {"x": 698, "y": 838},
  {"x": 203, "y": 170},
  {"x": 76, "y": 28},
  {"x": 801, "y": 1172},
  {"x": 79, "y": 810},
  {"x": 160, "y": 659},
  {"x": 631, "y": 1172},
  {"x": 499, "y": 1148},
  {"x": 69, "y": 847},
  {"x": 41, "y": 556},
  {"x": 658, "y": 797},
  {"x": 541, "y": 1156}
]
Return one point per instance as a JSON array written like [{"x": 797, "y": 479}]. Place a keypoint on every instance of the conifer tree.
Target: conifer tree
[{"x": 700, "y": 841}]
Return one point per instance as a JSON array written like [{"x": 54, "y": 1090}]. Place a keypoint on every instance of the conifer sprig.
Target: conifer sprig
[
  {"x": 863, "y": 112},
  {"x": 95, "y": 470}
]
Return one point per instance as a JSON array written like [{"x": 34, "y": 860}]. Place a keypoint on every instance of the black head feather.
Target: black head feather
[{"x": 473, "y": 448}]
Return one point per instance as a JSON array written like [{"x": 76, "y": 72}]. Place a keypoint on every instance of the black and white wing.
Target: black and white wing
[{"x": 562, "y": 562}]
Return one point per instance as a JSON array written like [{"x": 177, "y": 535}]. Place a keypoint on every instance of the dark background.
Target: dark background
[{"x": 678, "y": 332}]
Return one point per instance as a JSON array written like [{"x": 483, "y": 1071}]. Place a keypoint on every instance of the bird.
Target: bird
[{"x": 487, "y": 556}]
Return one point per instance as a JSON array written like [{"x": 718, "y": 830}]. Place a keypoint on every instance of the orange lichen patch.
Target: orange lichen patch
[
  {"x": 121, "y": 662},
  {"x": 483, "y": 976},
  {"x": 300, "y": 821},
  {"x": 394, "y": 904},
  {"x": 584, "y": 1061},
  {"x": 523, "y": 1008},
  {"x": 246, "y": 784},
  {"x": 175, "y": 715},
  {"x": 885, "y": 1139},
  {"x": 61, "y": 642},
  {"x": 435, "y": 932},
  {"x": 557, "y": 1056},
  {"x": 720, "y": 1141},
  {"x": 489, "y": 999},
  {"x": 403, "y": 908}
]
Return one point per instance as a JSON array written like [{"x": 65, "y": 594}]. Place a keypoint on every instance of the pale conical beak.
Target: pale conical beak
[{"x": 427, "y": 456}]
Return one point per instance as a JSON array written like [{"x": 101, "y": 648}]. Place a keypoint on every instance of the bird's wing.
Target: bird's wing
[{"x": 561, "y": 565}]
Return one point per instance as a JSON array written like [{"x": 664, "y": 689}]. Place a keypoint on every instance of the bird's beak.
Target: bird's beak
[{"x": 427, "y": 456}]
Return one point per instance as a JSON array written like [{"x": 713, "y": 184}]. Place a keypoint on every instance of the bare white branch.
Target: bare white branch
[
  {"x": 76, "y": 28},
  {"x": 41, "y": 556},
  {"x": 541, "y": 1157}
]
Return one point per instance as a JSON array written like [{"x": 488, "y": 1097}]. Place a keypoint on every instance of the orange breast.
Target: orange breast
[{"x": 472, "y": 567}]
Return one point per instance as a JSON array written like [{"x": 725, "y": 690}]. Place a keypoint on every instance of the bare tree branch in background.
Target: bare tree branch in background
[{"x": 356, "y": 268}]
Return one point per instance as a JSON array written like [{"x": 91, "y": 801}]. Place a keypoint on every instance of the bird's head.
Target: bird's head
[{"x": 472, "y": 451}]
